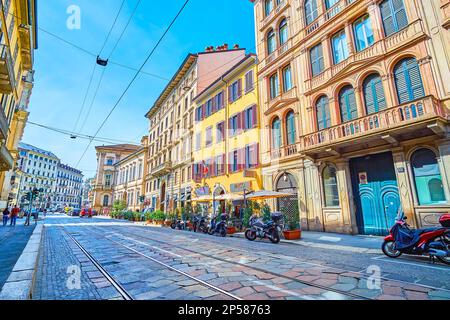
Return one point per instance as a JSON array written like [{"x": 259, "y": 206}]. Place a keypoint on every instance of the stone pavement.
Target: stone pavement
[{"x": 12, "y": 242}]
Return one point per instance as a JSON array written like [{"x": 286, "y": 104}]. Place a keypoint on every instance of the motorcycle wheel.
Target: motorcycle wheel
[
  {"x": 211, "y": 232},
  {"x": 446, "y": 239},
  {"x": 274, "y": 237},
  {"x": 223, "y": 232},
  {"x": 388, "y": 249},
  {"x": 250, "y": 235},
  {"x": 173, "y": 226}
]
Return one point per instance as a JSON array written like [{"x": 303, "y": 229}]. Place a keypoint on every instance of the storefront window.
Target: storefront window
[
  {"x": 330, "y": 188},
  {"x": 427, "y": 177}
]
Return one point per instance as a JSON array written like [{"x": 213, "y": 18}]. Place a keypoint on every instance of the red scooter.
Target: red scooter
[{"x": 434, "y": 242}]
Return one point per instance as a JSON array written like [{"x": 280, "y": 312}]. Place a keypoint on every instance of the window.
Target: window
[
  {"x": 311, "y": 12},
  {"x": 290, "y": 128},
  {"x": 284, "y": 32},
  {"x": 234, "y": 91},
  {"x": 408, "y": 81},
  {"x": 107, "y": 180},
  {"x": 109, "y": 162},
  {"x": 347, "y": 104},
  {"x": 220, "y": 132},
  {"x": 198, "y": 141},
  {"x": 268, "y": 7},
  {"x": 199, "y": 114},
  {"x": 219, "y": 165},
  {"x": 251, "y": 156},
  {"x": 209, "y": 139},
  {"x": 271, "y": 42},
  {"x": 234, "y": 124},
  {"x": 374, "y": 94},
  {"x": 394, "y": 16},
  {"x": 219, "y": 101},
  {"x": 427, "y": 177},
  {"x": 274, "y": 86},
  {"x": 363, "y": 33},
  {"x": 249, "y": 81},
  {"x": 106, "y": 201},
  {"x": 317, "y": 62},
  {"x": 330, "y": 188},
  {"x": 340, "y": 47},
  {"x": 208, "y": 108},
  {"x": 287, "y": 79},
  {"x": 250, "y": 118},
  {"x": 276, "y": 134}
]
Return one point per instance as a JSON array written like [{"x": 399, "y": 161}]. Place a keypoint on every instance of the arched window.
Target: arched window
[
  {"x": 374, "y": 94},
  {"x": 290, "y": 128},
  {"x": 330, "y": 188},
  {"x": 347, "y": 104},
  {"x": 276, "y": 134},
  {"x": 288, "y": 184},
  {"x": 271, "y": 42},
  {"x": 408, "y": 80},
  {"x": 268, "y": 7},
  {"x": 323, "y": 113},
  {"x": 311, "y": 12},
  {"x": 427, "y": 177},
  {"x": 106, "y": 201},
  {"x": 284, "y": 32}
]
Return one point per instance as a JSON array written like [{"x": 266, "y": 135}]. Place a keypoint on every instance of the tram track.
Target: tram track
[{"x": 261, "y": 270}]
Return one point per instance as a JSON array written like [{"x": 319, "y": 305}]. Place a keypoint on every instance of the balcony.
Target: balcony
[
  {"x": 413, "y": 32},
  {"x": 162, "y": 169},
  {"x": 7, "y": 79},
  {"x": 275, "y": 12},
  {"x": 277, "y": 54},
  {"x": 4, "y": 126},
  {"x": 416, "y": 119},
  {"x": 6, "y": 160},
  {"x": 26, "y": 50},
  {"x": 445, "y": 7},
  {"x": 335, "y": 10},
  {"x": 285, "y": 153},
  {"x": 281, "y": 100}
]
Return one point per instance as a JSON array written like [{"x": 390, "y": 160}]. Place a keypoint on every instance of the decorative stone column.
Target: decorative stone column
[
  {"x": 302, "y": 201},
  {"x": 405, "y": 188},
  {"x": 359, "y": 102},
  {"x": 350, "y": 39},
  {"x": 376, "y": 21},
  {"x": 444, "y": 166},
  {"x": 346, "y": 198}
]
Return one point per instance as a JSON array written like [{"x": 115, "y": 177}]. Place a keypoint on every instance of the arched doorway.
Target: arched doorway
[
  {"x": 287, "y": 184},
  {"x": 219, "y": 191},
  {"x": 163, "y": 197}
]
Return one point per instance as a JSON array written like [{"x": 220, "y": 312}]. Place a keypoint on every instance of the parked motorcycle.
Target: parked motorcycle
[
  {"x": 434, "y": 242},
  {"x": 218, "y": 227},
  {"x": 199, "y": 223},
  {"x": 261, "y": 230},
  {"x": 178, "y": 224}
]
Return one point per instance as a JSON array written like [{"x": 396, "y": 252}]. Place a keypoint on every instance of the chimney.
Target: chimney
[
  {"x": 236, "y": 46},
  {"x": 225, "y": 46}
]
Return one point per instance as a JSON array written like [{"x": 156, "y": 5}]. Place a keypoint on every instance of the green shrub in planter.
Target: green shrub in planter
[
  {"x": 159, "y": 216},
  {"x": 292, "y": 218},
  {"x": 266, "y": 215},
  {"x": 137, "y": 216}
]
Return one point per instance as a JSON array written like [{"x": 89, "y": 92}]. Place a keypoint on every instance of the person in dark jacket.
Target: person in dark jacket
[{"x": 6, "y": 214}]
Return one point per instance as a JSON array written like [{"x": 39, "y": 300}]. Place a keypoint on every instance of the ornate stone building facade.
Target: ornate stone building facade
[{"x": 370, "y": 98}]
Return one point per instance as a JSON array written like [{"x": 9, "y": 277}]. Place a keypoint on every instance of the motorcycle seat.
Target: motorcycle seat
[{"x": 422, "y": 231}]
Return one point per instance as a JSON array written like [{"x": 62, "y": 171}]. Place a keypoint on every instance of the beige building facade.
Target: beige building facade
[{"x": 370, "y": 98}]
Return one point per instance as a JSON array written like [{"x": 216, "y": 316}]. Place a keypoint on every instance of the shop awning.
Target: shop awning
[{"x": 267, "y": 194}]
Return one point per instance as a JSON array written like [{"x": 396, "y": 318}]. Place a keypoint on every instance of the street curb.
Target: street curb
[
  {"x": 21, "y": 280},
  {"x": 322, "y": 245}
]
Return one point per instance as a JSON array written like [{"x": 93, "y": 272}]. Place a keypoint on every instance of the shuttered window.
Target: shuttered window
[
  {"x": 347, "y": 104},
  {"x": 249, "y": 81},
  {"x": 290, "y": 128},
  {"x": 276, "y": 134},
  {"x": 323, "y": 113},
  {"x": 373, "y": 91},
  {"x": 394, "y": 16},
  {"x": 250, "y": 118},
  {"x": 317, "y": 62},
  {"x": 311, "y": 12},
  {"x": 408, "y": 81},
  {"x": 220, "y": 132},
  {"x": 235, "y": 91},
  {"x": 251, "y": 156}
]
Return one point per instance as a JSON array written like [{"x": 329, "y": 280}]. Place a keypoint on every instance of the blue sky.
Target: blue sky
[{"x": 63, "y": 72}]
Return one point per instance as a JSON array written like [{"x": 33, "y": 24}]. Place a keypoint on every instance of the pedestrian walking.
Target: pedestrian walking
[
  {"x": 6, "y": 214},
  {"x": 28, "y": 213},
  {"x": 14, "y": 213}
]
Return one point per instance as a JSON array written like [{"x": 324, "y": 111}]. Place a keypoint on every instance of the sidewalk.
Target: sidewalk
[
  {"x": 13, "y": 240},
  {"x": 335, "y": 241}
]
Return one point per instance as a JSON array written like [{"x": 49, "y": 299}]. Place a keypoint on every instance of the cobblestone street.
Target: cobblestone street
[{"x": 83, "y": 259}]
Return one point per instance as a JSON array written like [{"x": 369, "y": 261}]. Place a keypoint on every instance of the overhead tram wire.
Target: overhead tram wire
[
  {"x": 135, "y": 77},
  {"x": 104, "y": 69},
  {"x": 79, "y": 135},
  {"x": 95, "y": 66}
]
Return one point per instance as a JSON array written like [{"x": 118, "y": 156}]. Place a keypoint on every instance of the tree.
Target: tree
[{"x": 119, "y": 205}]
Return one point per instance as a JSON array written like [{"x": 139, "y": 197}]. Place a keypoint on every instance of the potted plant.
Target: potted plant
[
  {"x": 231, "y": 229},
  {"x": 169, "y": 219},
  {"x": 292, "y": 216},
  {"x": 159, "y": 217},
  {"x": 148, "y": 217}
]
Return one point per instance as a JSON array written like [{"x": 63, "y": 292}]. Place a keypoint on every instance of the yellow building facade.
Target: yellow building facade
[
  {"x": 227, "y": 134},
  {"x": 18, "y": 40}
]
